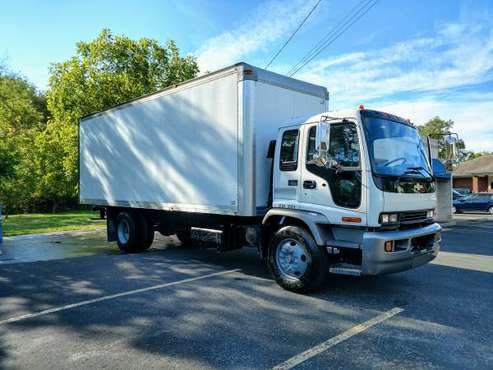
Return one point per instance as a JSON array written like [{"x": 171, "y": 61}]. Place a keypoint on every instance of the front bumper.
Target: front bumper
[{"x": 375, "y": 261}]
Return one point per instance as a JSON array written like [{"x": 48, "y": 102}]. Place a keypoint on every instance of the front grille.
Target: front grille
[{"x": 412, "y": 217}]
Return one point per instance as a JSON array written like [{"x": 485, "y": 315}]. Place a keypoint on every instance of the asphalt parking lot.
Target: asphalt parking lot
[{"x": 185, "y": 309}]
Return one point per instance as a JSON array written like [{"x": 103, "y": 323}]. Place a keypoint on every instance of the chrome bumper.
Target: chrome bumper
[{"x": 375, "y": 261}]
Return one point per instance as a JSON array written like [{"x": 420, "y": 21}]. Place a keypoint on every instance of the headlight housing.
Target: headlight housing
[{"x": 389, "y": 218}]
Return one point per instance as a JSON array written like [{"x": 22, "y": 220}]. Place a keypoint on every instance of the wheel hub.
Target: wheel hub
[
  {"x": 123, "y": 231},
  {"x": 292, "y": 259}
]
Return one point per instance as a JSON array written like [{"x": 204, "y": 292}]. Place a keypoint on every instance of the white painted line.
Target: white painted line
[
  {"x": 324, "y": 346},
  {"x": 112, "y": 296}
]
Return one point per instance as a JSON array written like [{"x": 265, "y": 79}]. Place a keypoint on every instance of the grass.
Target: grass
[{"x": 37, "y": 223}]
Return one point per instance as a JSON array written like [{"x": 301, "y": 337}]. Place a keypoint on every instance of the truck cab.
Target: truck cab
[{"x": 359, "y": 183}]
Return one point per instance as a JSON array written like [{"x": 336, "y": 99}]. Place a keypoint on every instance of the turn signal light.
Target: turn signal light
[
  {"x": 388, "y": 246},
  {"x": 351, "y": 219},
  {"x": 438, "y": 236}
]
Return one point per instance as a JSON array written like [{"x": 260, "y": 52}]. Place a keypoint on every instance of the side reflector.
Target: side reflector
[
  {"x": 388, "y": 246},
  {"x": 351, "y": 219}
]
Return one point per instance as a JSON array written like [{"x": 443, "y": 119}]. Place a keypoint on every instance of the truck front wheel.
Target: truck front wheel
[
  {"x": 296, "y": 262},
  {"x": 133, "y": 233}
]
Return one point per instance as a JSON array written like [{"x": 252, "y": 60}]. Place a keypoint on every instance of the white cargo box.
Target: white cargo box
[{"x": 198, "y": 147}]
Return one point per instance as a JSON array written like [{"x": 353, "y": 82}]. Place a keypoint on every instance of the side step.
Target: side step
[
  {"x": 224, "y": 240},
  {"x": 345, "y": 269}
]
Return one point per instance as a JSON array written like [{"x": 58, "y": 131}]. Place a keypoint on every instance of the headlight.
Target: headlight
[
  {"x": 430, "y": 213},
  {"x": 389, "y": 218}
]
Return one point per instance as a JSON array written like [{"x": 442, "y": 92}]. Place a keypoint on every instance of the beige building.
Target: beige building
[{"x": 475, "y": 174}]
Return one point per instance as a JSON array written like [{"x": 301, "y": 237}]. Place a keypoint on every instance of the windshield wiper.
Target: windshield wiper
[{"x": 418, "y": 169}]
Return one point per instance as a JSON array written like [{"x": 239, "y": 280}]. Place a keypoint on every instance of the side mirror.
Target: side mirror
[{"x": 322, "y": 139}]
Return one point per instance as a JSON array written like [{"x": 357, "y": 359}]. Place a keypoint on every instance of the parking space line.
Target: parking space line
[
  {"x": 324, "y": 346},
  {"x": 113, "y": 296}
]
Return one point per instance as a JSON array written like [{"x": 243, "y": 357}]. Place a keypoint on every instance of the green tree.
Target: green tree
[
  {"x": 103, "y": 72},
  {"x": 440, "y": 129},
  {"x": 8, "y": 160},
  {"x": 22, "y": 117},
  {"x": 21, "y": 106},
  {"x": 436, "y": 127},
  {"x": 473, "y": 155}
]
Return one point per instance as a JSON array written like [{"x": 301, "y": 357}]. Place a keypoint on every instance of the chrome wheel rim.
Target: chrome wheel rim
[
  {"x": 123, "y": 231},
  {"x": 292, "y": 258}
]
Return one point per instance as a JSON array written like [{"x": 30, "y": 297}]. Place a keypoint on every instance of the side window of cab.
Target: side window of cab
[{"x": 288, "y": 160}]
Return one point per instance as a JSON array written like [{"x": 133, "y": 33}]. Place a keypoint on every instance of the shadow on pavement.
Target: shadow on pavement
[{"x": 225, "y": 321}]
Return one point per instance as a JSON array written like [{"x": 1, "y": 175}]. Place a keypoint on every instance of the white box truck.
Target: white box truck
[{"x": 257, "y": 157}]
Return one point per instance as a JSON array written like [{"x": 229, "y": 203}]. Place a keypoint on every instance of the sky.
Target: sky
[{"x": 417, "y": 59}]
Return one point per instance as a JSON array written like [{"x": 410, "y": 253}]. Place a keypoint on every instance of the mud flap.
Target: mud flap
[
  {"x": 111, "y": 228},
  {"x": 232, "y": 238}
]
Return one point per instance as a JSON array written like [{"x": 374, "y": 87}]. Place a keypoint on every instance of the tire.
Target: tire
[
  {"x": 133, "y": 233},
  {"x": 185, "y": 237},
  {"x": 309, "y": 269}
]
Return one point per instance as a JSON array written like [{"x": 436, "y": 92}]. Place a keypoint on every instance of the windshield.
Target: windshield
[{"x": 395, "y": 148}]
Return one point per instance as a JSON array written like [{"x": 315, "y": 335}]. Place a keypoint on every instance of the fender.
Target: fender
[{"x": 312, "y": 220}]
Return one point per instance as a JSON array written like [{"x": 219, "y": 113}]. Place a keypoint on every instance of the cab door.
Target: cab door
[
  {"x": 287, "y": 168},
  {"x": 336, "y": 181},
  {"x": 314, "y": 186}
]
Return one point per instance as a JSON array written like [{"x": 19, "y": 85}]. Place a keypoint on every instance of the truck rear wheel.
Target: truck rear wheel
[
  {"x": 295, "y": 260},
  {"x": 133, "y": 233}
]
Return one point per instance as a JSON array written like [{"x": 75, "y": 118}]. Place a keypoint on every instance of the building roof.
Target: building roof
[{"x": 476, "y": 166}]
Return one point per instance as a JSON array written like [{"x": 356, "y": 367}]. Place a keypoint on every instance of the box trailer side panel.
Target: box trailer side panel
[
  {"x": 175, "y": 150},
  {"x": 274, "y": 106}
]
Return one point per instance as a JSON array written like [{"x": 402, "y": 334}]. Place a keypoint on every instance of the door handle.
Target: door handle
[{"x": 309, "y": 184}]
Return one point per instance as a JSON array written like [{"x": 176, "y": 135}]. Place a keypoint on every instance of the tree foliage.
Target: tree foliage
[
  {"x": 22, "y": 117},
  {"x": 8, "y": 160},
  {"x": 441, "y": 130},
  {"x": 436, "y": 128},
  {"x": 473, "y": 155},
  {"x": 39, "y": 136},
  {"x": 104, "y": 72}
]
